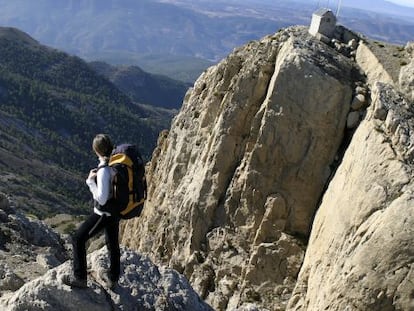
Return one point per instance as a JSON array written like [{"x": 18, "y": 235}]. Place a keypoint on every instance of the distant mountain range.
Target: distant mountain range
[
  {"x": 144, "y": 87},
  {"x": 380, "y": 6},
  {"x": 264, "y": 8},
  {"x": 180, "y": 37},
  {"x": 52, "y": 105}
]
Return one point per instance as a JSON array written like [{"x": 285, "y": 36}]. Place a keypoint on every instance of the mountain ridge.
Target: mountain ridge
[
  {"x": 14, "y": 34},
  {"x": 53, "y": 104},
  {"x": 144, "y": 87},
  {"x": 197, "y": 31}
]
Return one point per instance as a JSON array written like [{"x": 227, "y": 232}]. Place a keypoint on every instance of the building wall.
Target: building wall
[
  {"x": 314, "y": 27},
  {"x": 323, "y": 24}
]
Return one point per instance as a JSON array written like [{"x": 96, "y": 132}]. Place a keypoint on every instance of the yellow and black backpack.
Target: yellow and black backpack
[{"x": 129, "y": 184}]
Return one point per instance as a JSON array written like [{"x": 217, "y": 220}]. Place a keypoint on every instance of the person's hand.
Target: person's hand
[{"x": 92, "y": 173}]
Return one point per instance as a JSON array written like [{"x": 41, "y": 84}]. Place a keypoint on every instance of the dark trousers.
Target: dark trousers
[{"x": 89, "y": 228}]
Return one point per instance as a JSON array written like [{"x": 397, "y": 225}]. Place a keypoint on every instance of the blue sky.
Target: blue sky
[{"x": 403, "y": 2}]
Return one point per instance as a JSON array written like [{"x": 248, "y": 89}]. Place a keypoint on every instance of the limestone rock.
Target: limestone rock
[
  {"x": 229, "y": 190},
  {"x": 352, "y": 120},
  {"x": 353, "y": 44},
  {"x": 47, "y": 260},
  {"x": 30, "y": 250},
  {"x": 142, "y": 286},
  {"x": 9, "y": 281},
  {"x": 358, "y": 102},
  {"x": 27, "y": 246},
  {"x": 360, "y": 253},
  {"x": 373, "y": 68},
  {"x": 361, "y": 90}
]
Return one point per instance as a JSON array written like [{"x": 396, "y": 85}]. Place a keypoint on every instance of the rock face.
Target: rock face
[
  {"x": 234, "y": 185},
  {"x": 28, "y": 248},
  {"x": 371, "y": 65},
  {"x": 360, "y": 254},
  {"x": 142, "y": 286}
]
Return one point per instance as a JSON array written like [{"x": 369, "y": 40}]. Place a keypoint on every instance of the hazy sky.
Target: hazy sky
[{"x": 403, "y": 2}]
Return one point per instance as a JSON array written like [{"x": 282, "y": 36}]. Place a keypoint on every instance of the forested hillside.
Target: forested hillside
[
  {"x": 52, "y": 105},
  {"x": 144, "y": 87}
]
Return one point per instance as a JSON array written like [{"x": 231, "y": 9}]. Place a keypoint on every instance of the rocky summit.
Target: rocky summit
[
  {"x": 265, "y": 140},
  {"x": 235, "y": 184},
  {"x": 284, "y": 183}
]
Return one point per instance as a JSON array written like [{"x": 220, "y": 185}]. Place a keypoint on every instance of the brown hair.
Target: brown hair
[{"x": 102, "y": 145}]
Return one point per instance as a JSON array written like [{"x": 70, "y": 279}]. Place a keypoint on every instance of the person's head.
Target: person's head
[{"x": 102, "y": 145}]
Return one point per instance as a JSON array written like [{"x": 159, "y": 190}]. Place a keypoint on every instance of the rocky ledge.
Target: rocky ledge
[
  {"x": 33, "y": 260},
  {"x": 142, "y": 286}
]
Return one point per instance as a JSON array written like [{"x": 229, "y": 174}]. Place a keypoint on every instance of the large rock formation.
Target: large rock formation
[
  {"x": 234, "y": 185},
  {"x": 360, "y": 254}
]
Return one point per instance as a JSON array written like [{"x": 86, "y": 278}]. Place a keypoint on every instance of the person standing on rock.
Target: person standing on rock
[{"x": 99, "y": 182}]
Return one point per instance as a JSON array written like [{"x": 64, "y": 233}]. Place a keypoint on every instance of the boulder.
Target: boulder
[
  {"x": 358, "y": 102},
  {"x": 352, "y": 120},
  {"x": 406, "y": 80}
]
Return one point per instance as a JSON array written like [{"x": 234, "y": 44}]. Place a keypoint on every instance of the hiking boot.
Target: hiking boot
[
  {"x": 73, "y": 281},
  {"x": 103, "y": 275}
]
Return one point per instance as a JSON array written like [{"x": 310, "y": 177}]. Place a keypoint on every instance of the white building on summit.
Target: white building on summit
[{"x": 323, "y": 22}]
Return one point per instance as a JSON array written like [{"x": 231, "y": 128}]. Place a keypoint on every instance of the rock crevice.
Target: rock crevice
[{"x": 362, "y": 233}]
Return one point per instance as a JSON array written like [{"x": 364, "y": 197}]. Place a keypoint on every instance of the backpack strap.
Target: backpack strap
[{"x": 102, "y": 166}]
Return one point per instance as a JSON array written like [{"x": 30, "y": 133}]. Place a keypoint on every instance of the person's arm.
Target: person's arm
[{"x": 100, "y": 186}]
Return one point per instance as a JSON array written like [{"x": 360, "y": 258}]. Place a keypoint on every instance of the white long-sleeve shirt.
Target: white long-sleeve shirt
[{"x": 101, "y": 187}]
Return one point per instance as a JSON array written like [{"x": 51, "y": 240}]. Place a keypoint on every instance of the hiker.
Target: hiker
[{"x": 99, "y": 183}]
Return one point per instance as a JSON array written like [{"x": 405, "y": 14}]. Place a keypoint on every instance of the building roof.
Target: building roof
[{"x": 322, "y": 11}]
